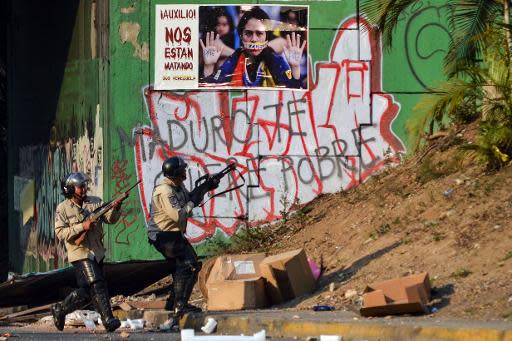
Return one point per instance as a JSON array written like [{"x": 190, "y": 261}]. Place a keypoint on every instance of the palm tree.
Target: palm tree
[
  {"x": 468, "y": 20},
  {"x": 478, "y": 67}
]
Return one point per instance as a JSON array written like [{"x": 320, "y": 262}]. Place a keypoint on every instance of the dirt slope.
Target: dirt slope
[{"x": 433, "y": 213}]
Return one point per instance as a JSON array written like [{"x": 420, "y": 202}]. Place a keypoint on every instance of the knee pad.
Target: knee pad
[{"x": 92, "y": 272}]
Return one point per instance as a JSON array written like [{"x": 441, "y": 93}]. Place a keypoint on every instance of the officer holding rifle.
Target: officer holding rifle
[
  {"x": 171, "y": 206},
  {"x": 78, "y": 223}
]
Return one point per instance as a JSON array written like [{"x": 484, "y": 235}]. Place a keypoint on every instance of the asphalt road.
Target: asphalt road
[{"x": 24, "y": 335}]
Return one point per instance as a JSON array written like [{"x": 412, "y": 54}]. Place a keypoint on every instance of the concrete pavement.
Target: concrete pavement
[{"x": 304, "y": 324}]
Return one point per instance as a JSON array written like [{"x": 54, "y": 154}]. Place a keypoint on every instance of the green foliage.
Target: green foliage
[
  {"x": 261, "y": 238},
  {"x": 507, "y": 256},
  {"x": 494, "y": 146},
  {"x": 386, "y": 14},
  {"x": 478, "y": 67},
  {"x": 437, "y": 237},
  {"x": 485, "y": 94},
  {"x": 468, "y": 19},
  {"x": 286, "y": 206},
  {"x": 380, "y": 231},
  {"x": 245, "y": 240},
  {"x": 461, "y": 273}
]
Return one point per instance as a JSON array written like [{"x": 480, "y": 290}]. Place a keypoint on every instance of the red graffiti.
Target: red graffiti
[
  {"x": 333, "y": 136},
  {"x": 122, "y": 180}
]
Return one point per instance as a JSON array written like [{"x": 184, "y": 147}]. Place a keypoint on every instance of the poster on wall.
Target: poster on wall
[
  {"x": 176, "y": 35},
  {"x": 231, "y": 47}
]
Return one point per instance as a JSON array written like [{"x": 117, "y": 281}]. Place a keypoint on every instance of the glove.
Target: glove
[
  {"x": 213, "y": 183},
  {"x": 196, "y": 196}
]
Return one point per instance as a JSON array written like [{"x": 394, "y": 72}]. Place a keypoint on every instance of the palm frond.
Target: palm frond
[
  {"x": 454, "y": 94},
  {"x": 468, "y": 20},
  {"x": 386, "y": 14},
  {"x": 494, "y": 146}
]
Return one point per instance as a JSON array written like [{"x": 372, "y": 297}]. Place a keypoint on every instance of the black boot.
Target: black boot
[
  {"x": 169, "y": 303},
  {"x": 189, "y": 308},
  {"x": 183, "y": 289},
  {"x": 101, "y": 301},
  {"x": 76, "y": 300},
  {"x": 59, "y": 317},
  {"x": 180, "y": 286}
]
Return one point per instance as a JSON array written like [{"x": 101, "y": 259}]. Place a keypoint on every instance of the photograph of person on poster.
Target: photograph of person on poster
[{"x": 272, "y": 52}]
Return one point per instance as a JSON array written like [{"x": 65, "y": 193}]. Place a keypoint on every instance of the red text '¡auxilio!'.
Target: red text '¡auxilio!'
[{"x": 178, "y": 14}]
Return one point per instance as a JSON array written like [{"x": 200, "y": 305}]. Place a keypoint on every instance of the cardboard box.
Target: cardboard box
[
  {"x": 235, "y": 282},
  {"x": 234, "y": 267},
  {"x": 413, "y": 288},
  {"x": 271, "y": 284},
  {"x": 374, "y": 299},
  {"x": 288, "y": 275},
  {"x": 397, "y": 296},
  {"x": 394, "y": 309},
  {"x": 204, "y": 274},
  {"x": 237, "y": 294}
]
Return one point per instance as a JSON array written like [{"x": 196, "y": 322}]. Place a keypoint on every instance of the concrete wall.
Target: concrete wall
[
  {"x": 55, "y": 108},
  {"x": 291, "y": 146}
]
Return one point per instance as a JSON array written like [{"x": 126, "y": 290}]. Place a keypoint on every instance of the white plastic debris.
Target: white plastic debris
[
  {"x": 210, "y": 325},
  {"x": 188, "y": 335},
  {"x": 136, "y": 324},
  {"x": 124, "y": 324},
  {"x": 330, "y": 338},
  {"x": 89, "y": 324},
  {"x": 165, "y": 327},
  {"x": 81, "y": 314},
  {"x": 89, "y": 317}
]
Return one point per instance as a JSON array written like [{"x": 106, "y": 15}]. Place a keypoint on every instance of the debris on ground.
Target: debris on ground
[
  {"x": 210, "y": 326},
  {"x": 189, "y": 335},
  {"x": 405, "y": 295}
]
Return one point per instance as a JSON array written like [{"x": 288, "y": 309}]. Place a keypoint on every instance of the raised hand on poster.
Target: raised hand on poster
[
  {"x": 211, "y": 51},
  {"x": 294, "y": 50}
]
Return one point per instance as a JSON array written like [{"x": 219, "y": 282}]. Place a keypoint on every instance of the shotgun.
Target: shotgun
[{"x": 98, "y": 213}]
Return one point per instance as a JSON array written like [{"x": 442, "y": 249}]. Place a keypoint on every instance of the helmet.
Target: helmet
[
  {"x": 174, "y": 167},
  {"x": 73, "y": 179}
]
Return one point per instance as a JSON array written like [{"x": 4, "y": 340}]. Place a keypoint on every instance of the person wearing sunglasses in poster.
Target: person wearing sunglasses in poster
[{"x": 256, "y": 63}]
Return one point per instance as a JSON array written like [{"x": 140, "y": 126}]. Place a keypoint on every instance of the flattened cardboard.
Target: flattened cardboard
[{"x": 237, "y": 294}]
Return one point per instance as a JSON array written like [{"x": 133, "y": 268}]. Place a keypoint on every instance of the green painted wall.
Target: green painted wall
[
  {"x": 54, "y": 115},
  {"x": 413, "y": 64}
]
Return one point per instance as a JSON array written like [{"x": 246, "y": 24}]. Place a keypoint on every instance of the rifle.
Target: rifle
[
  {"x": 98, "y": 213},
  {"x": 209, "y": 182}
]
